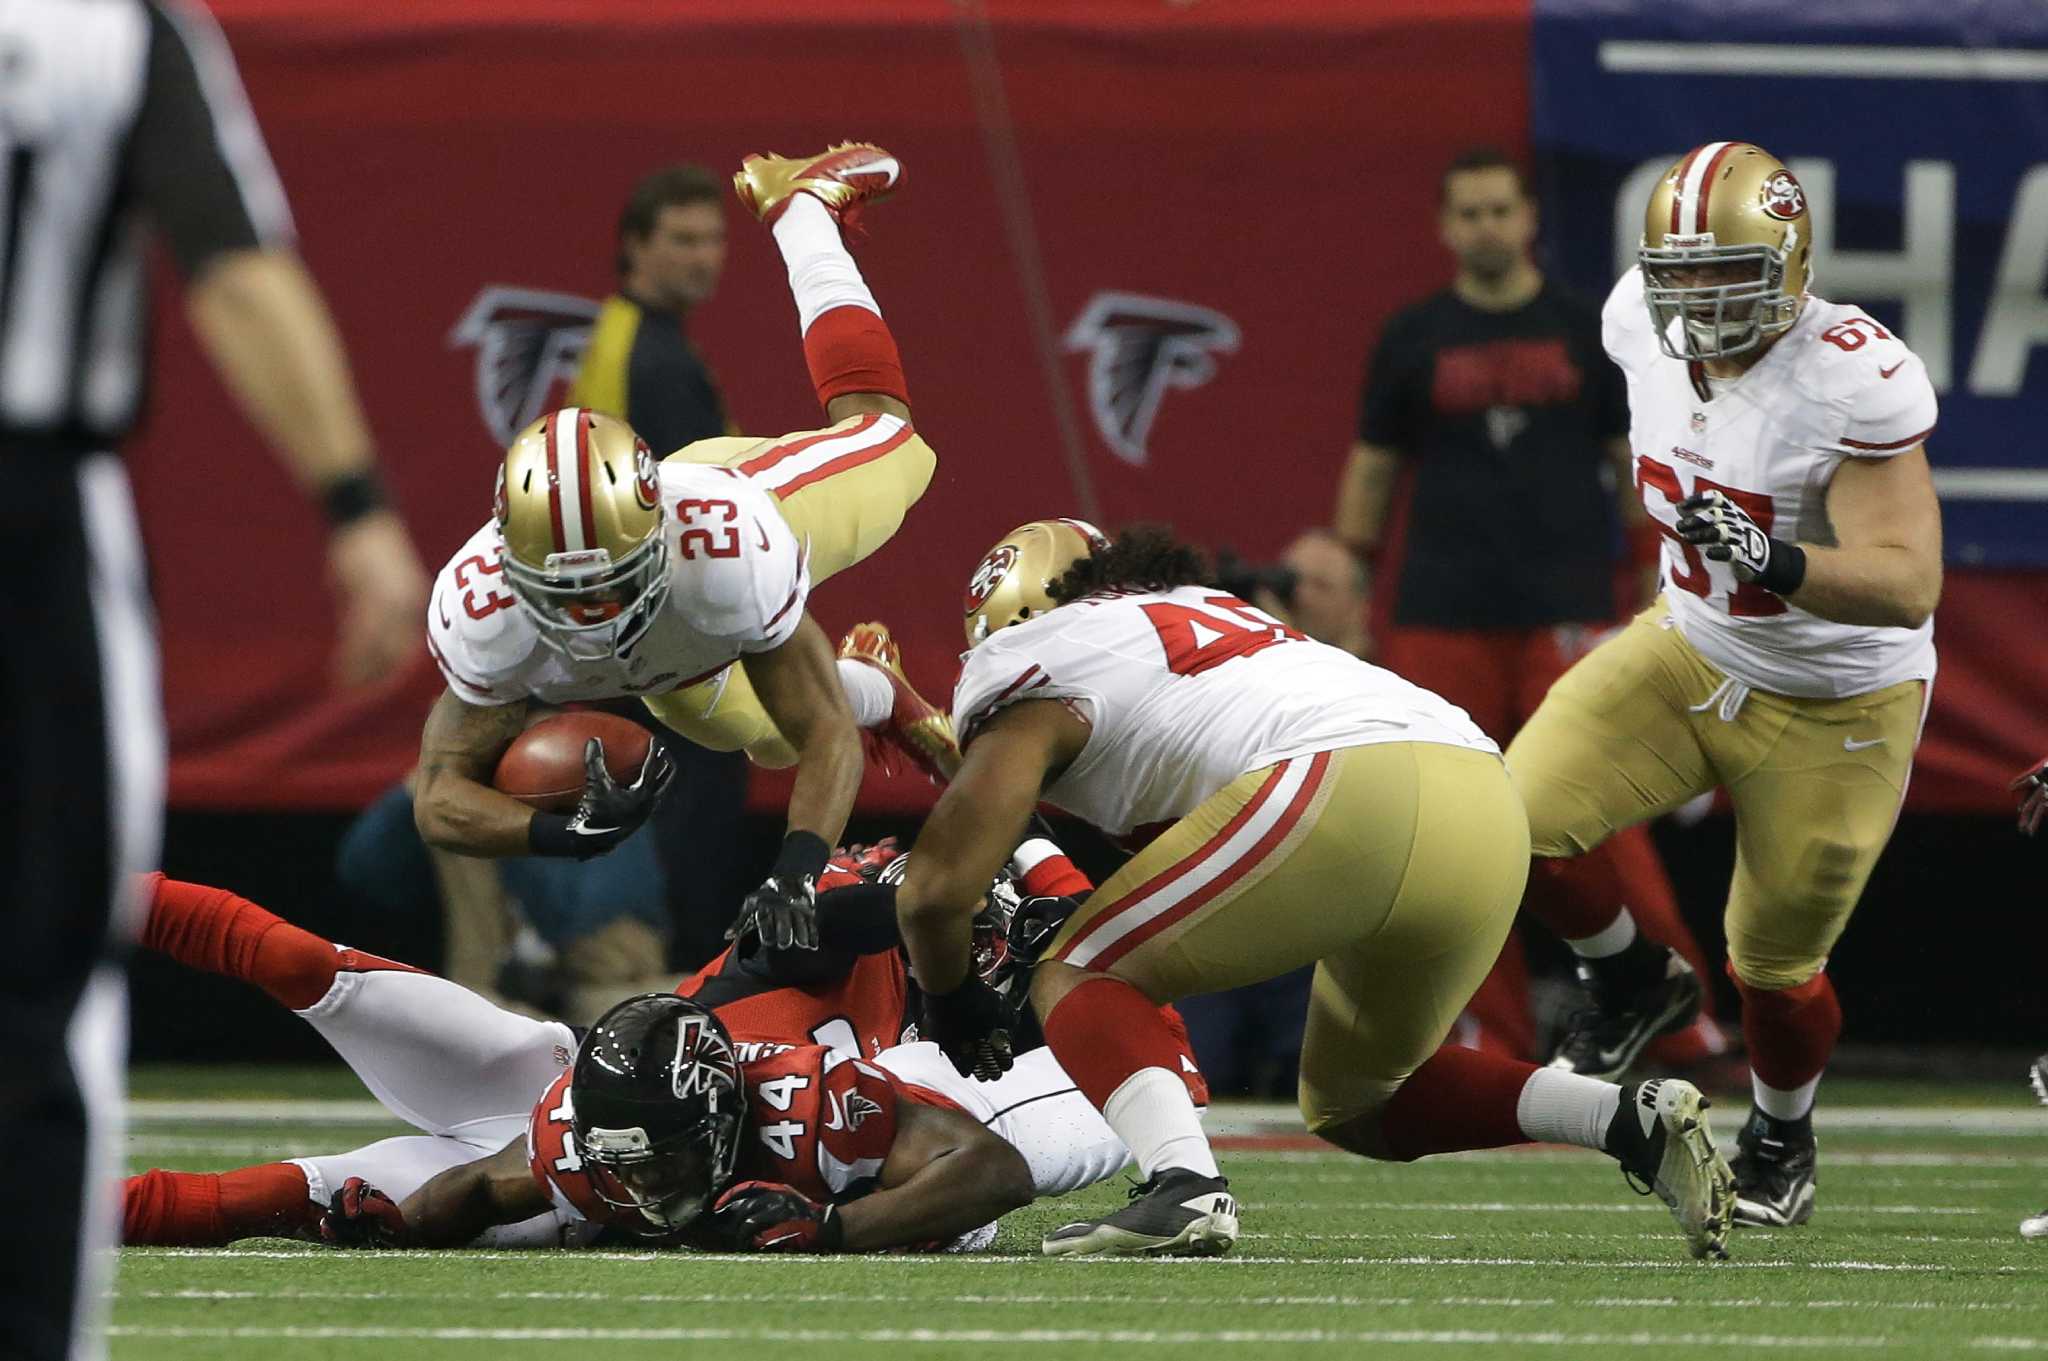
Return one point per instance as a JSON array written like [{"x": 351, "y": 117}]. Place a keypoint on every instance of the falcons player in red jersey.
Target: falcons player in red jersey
[{"x": 463, "y": 1072}]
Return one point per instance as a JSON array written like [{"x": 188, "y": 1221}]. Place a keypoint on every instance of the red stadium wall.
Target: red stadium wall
[{"x": 1270, "y": 162}]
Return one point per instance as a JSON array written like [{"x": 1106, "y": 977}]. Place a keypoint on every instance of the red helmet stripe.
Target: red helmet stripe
[
  {"x": 549, "y": 435},
  {"x": 1707, "y": 185},
  {"x": 1678, "y": 187},
  {"x": 584, "y": 472}
]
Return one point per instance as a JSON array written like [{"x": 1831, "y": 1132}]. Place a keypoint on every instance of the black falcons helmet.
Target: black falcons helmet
[{"x": 657, "y": 1104}]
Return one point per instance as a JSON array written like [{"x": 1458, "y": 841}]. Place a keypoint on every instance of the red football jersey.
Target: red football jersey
[
  {"x": 817, "y": 1121},
  {"x": 861, "y": 1012}
]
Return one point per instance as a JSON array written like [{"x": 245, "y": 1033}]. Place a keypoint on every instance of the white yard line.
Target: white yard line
[
  {"x": 838, "y": 1337},
  {"x": 355, "y": 1261},
  {"x": 784, "y": 1298},
  {"x": 1643, "y": 1206},
  {"x": 1231, "y": 1120}
]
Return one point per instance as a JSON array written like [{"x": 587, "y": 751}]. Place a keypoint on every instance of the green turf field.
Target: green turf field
[{"x": 1544, "y": 1253}]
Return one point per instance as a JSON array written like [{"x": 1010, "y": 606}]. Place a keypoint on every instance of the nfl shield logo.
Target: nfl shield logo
[{"x": 1699, "y": 422}]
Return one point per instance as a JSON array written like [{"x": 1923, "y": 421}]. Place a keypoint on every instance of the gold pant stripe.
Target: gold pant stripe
[{"x": 1230, "y": 861}]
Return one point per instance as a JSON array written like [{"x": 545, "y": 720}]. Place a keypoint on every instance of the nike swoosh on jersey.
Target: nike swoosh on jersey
[
  {"x": 1851, "y": 744},
  {"x": 1886, "y": 373}
]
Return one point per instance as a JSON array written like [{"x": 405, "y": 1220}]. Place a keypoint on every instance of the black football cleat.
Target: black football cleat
[
  {"x": 1774, "y": 1172},
  {"x": 1176, "y": 1214},
  {"x": 1661, "y": 1138},
  {"x": 1633, "y": 1002}
]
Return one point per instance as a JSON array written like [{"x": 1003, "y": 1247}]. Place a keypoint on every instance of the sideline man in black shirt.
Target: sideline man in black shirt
[
  {"x": 641, "y": 366},
  {"x": 1497, "y": 393},
  {"x": 117, "y": 115}
]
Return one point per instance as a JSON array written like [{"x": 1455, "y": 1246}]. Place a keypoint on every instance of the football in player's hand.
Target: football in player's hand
[{"x": 543, "y": 768}]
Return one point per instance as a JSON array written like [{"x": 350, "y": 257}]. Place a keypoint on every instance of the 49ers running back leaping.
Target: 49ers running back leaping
[
  {"x": 1779, "y": 444},
  {"x": 602, "y": 574},
  {"x": 1315, "y": 809}
]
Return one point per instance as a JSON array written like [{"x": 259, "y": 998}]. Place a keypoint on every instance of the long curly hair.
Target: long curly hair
[{"x": 1141, "y": 558}]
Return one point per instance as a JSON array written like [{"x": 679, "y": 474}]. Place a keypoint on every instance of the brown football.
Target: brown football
[{"x": 544, "y": 765}]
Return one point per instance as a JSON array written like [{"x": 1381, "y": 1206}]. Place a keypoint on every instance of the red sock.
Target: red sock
[
  {"x": 1791, "y": 1032},
  {"x": 221, "y": 932},
  {"x": 1459, "y": 1098},
  {"x": 1055, "y": 877},
  {"x": 1576, "y": 897},
  {"x": 849, "y": 349},
  {"x": 207, "y": 1209},
  {"x": 1104, "y": 1031},
  {"x": 1190, "y": 1072}
]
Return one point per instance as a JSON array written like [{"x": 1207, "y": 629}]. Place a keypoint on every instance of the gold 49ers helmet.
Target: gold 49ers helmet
[
  {"x": 579, "y": 508},
  {"x": 1011, "y": 583},
  {"x": 1727, "y": 247}
]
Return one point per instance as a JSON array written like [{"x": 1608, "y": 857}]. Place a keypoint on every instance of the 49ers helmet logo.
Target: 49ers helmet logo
[
  {"x": 646, "y": 483},
  {"x": 1138, "y": 347},
  {"x": 989, "y": 575},
  {"x": 1783, "y": 198}
]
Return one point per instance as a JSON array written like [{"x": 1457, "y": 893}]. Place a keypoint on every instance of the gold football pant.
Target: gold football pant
[
  {"x": 1395, "y": 868},
  {"x": 1644, "y": 723},
  {"x": 844, "y": 491}
]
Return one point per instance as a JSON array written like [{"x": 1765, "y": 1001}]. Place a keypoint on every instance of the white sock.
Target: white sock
[
  {"x": 1610, "y": 939},
  {"x": 822, "y": 275},
  {"x": 868, "y": 692},
  {"x": 1780, "y": 1104},
  {"x": 1154, "y": 1116},
  {"x": 1031, "y": 854},
  {"x": 1557, "y": 1107}
]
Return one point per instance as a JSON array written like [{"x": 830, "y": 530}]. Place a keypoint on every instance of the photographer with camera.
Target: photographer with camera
[
  {"x": 1318, "y": 586},
  {"x": 1248, "y": 1040}
]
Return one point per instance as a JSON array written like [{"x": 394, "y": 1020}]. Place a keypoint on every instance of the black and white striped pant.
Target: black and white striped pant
[{"x": 82, "y": 760}]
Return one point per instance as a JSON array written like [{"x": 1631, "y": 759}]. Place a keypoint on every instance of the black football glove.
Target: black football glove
[
  {"x": 361, "y": 1216},
  {"x": 2032, "y": 788},
  {"x": 970, "y": 1025},
  {"x": 783, "y": 912},
  {"x": 608, "y": 812},
  {"x": 1724, "y": 531},
  {"x": 767, "y": 1216},
  {"x": 1036, "y": 922}
]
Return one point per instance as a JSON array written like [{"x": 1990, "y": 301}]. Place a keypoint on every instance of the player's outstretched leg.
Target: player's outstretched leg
[
  {"x": 1121, "y": 1052},
  {"x": 1657, "y": 1130},
  {"x": 907, "y": 722}
]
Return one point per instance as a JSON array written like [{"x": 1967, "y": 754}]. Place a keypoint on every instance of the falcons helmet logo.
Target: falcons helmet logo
[
  {"x": 527, "y": 341},
  {"x": 1138, "y": 347}
]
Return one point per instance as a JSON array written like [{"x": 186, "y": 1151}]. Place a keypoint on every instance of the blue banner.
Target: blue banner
[{"x": 1920, "y": 133}]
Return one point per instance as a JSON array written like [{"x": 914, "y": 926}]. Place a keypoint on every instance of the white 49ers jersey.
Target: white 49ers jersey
[
  {"x": 1186, "y": 690},
  {"x": 737, "y": 584},
  {"x": 1835, "y": 386}
]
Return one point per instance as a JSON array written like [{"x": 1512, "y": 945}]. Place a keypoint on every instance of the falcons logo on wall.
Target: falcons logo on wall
[
  {"x": 1138, "y": 347},
  {"x": 527, "y": 342}
]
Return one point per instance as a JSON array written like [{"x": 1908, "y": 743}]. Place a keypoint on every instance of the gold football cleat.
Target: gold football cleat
[
  {"x": 915, "y": 727},
  {"x": 843, "y": 178}
]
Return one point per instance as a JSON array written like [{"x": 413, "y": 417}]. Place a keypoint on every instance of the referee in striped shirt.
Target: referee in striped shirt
[{"x": 116, "y": 117}]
